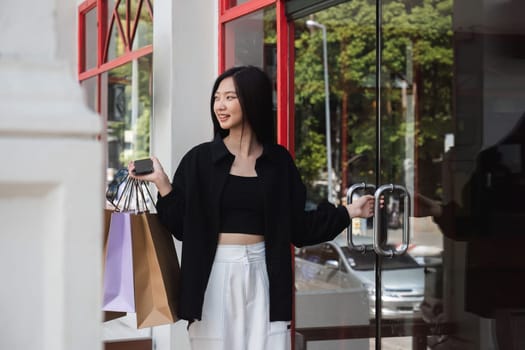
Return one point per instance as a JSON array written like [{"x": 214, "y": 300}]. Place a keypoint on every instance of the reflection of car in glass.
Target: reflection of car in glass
[
  {"x": 327, "y": 297},
  {"x": 432, "y": 311},
  {"x": 402, "y": 277}
]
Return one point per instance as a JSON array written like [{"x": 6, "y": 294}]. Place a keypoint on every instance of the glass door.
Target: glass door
[
  {"x": 451, "y": 132},
  {"x": 335, "y": 147},
  {"x": 426, "y": 109},
  {"x": 414, "y": 92}
]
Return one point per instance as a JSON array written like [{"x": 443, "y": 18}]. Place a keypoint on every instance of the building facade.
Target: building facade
[
  {"x": 400, "y": 97},
  {"x": 420, "y": 102}
]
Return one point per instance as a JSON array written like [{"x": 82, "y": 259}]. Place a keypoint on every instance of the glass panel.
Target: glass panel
[
  {"x": 416, "y": 111},
  {"x": 117, "y": 45},
  {"x": 453, "y": 134},
  {"x": 144, "y": 33},
  {"x": 129, "y": 91},
  {"x": 351, "y": 113},
  {"x": 251, "y": 40},
  {"x": 329, "y": 294},
  {"x": 89, "y": 87},
  {"x": 91, "y": 47},
  {"x": 350, "y": 138}
]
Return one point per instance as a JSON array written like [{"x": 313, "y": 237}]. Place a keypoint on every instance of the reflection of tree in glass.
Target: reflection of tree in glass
[
  {"x": 311, "y": 154},
  {"x": 129, "y": 137},
  {"x": 417, "y": 55},
  {"x": 141, "y": 129}
]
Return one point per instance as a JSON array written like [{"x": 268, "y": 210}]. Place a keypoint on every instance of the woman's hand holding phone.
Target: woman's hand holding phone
[{"x": 150, "y": 170}]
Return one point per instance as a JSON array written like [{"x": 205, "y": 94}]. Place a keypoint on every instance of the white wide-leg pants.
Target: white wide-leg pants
[{"x": 236, "y": 307}]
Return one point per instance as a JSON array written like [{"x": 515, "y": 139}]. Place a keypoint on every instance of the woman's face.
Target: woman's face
[{"x": 226, "y": 105}]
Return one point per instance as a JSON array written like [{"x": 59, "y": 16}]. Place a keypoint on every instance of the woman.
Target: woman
[{"x": 237, "y": 203}]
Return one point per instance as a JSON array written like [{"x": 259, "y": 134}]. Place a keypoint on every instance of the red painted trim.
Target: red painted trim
[
  {"x": 87, "y": 5},
  {"x": 126, "y": 58},
  {"x": 103, "y": 35},
  {"x": 244, "y": 9},
  {"x": 81, "y": 41},
  {"x": 88, "y": 74},
  {"x": 223, "y": 5},
  {"x": 220, "y": 39},
  {"x": 228, "y": 4},
  {"x": 83, "y": 9},
  {"x": 282, "y": 75},
  {"x": 102, "y": 17},
  {"x": 291, "y": 88},
  {"x": 221, "y": 58}
]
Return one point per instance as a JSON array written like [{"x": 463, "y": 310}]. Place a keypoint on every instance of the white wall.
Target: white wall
[
  {"x": 185, "y": 58},
  {"x": 185, "y": 66},
  {"x": 50, "y": 185}
]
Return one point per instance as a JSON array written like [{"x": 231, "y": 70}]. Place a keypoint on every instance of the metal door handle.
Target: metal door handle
[
  {"x": 349, "y": 234},
  {"x": 377, "y": 222}
]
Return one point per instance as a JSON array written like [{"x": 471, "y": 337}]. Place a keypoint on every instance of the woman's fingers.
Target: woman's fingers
[
  {"x": 131, "y": 165},
  {"x": 156, "y": 164},
  {"x": 146, "y": 177},
  {"x": 366, "y": 206}
]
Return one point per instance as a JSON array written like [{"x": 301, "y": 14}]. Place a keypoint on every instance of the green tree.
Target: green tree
[
  {"x": 417, "y": 53},
  {"x": 311, "y": 155}
]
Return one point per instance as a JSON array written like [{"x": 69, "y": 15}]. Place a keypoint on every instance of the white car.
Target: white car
[{"x": 402, "y": 277}]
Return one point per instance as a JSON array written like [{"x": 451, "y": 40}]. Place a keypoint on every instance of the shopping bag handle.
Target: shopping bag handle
[{"x": 134, "y": 191}]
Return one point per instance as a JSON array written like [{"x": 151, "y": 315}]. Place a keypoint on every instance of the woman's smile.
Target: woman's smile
[{"x": 226, "y": 105}]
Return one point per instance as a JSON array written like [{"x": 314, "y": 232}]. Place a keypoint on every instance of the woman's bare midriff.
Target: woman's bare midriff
[{"x": 240, "y": 238}]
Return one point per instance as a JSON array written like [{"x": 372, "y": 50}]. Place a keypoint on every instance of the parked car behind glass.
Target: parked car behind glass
[
  {"x": 402, "y": 277},
  {"x": 327, "y": 297}
]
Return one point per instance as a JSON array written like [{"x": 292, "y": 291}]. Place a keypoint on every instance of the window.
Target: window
[
  {"x": 251, "y": 40},
  {"x": 256, "y": 32},
  {"x": 115, "y": 68}
]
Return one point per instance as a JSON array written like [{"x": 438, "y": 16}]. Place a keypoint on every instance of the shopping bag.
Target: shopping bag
[
  {"x": 108, "y": 315},
  {"x": 118, "y": 266},
  {"x": 156, "y": 271},
  {"x": 107, "y": 220}
]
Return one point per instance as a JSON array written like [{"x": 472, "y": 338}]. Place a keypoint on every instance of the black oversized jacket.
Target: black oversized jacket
[{"x": 191, "y": 212}]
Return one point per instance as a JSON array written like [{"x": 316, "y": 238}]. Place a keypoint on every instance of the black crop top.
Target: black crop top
[{"x": 242, "y": 205}]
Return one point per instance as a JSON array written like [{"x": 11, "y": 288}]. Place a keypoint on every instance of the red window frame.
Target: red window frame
[
  {"x": 285, "y": 93},
  {"x": 126, "y": 31}
]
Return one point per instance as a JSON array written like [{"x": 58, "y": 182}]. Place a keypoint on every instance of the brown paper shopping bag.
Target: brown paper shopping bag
[{"x": 156, "y": 271}]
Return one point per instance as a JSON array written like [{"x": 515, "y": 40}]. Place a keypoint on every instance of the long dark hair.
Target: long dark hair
[{"x": 254, "y": 91}]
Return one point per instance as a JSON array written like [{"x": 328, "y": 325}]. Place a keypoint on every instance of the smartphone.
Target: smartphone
[{"x": 143, "y": 166}]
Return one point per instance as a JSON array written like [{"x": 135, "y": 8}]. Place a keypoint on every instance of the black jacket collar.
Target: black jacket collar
[{"x": 219, "y": 150}]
